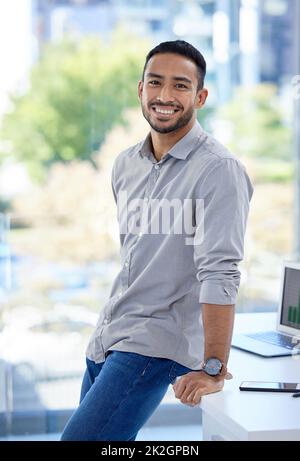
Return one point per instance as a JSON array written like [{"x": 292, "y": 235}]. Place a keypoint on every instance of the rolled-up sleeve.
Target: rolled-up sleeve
[{"x": 226, "y": 191}]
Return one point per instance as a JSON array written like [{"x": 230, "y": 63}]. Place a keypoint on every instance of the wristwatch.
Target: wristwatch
[{"x": 213, "y": 367}]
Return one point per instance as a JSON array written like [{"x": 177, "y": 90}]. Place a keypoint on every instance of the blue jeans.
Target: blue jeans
[{"x": 119, "y": 395}]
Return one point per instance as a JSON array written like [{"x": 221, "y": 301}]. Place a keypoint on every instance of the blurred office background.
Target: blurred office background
[{"x": 68, "y": 106}]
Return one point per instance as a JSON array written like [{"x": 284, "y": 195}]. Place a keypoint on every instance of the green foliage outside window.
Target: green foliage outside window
[
  {"x": 78, "y": 90},
  {"x": 257, "y": 123}
]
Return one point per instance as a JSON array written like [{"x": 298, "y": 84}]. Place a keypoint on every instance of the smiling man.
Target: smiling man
[
  {"x": 170, "y": 93},
  {"x": 171, "y": 309}
]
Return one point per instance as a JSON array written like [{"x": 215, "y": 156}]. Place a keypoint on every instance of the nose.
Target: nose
[{"x": 165, "y": 94}]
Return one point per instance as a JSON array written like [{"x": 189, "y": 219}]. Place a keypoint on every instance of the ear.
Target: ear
[
  {"x": 201, "y": 98},
  {"x": 140, "y": 89}
]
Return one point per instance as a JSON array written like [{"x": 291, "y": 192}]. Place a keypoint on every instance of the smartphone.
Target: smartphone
[{"x": 262, "y": 386}]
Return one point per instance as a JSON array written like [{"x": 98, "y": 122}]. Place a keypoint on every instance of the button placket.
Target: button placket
[
  {"x": 125, "y": 271},
  {"x": 153, "y": 176},
  {"x": 107, "y": 318},
  {"x": 108, "y": 314},
  {"x": 127, "y": 264}
]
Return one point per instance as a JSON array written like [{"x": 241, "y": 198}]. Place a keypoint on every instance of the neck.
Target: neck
[{"x": 163, "y": 142}]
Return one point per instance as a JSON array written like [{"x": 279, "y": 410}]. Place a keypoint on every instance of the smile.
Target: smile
[{"x": 164, "y": 112}]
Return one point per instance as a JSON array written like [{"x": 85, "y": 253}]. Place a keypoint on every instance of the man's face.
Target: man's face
[{"x": 169, "y": 95}]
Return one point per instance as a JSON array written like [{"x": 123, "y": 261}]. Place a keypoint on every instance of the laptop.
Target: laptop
[{"x": 285, "y": 340}]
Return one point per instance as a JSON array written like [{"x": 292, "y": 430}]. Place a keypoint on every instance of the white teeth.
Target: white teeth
[{"x": 166, "y": 112}]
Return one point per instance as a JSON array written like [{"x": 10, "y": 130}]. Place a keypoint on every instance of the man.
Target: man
[{"x": 171, "y": 309}]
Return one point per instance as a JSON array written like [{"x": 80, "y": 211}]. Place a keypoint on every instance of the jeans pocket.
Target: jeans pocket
[
  {"x": 146, "y": 366},
  {"x": 135, "y": 361}
]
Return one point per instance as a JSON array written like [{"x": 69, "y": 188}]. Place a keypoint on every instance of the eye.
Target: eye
[
  {"x": 180, "y": 86},
  {"x": 153, "y": 82}
]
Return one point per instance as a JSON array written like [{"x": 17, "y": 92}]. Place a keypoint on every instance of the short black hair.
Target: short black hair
[{"x": 184, "y": 49}]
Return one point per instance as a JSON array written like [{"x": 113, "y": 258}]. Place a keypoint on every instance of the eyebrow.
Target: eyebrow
[{"x": 176, "y": 78}]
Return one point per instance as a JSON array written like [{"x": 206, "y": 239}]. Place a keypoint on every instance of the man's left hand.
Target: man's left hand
[{"x": 192, "y": 386}]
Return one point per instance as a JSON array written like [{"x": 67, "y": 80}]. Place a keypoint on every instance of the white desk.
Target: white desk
[{"x": 235, "y": 415}]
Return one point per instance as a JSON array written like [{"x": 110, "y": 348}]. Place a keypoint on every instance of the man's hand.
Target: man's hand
[{"x": 190, "y": 387}]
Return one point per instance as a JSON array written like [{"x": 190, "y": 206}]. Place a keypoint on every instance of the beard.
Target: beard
[{"x": 180, "y": 123}]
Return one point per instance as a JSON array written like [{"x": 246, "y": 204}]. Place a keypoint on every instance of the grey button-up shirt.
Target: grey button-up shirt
[{"x": 182, "y": 224}]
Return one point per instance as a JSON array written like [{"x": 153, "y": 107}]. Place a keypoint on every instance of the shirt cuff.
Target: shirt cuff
[{"x": 218, "y": 292}]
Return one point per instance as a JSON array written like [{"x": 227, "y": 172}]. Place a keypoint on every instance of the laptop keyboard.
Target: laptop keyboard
[{"x": 274, "y": 338}]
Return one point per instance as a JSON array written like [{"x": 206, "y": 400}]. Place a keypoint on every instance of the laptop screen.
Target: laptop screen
[{"x": 290, "y": 313}]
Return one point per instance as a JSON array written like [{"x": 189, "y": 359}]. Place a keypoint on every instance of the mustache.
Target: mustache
[{"x": 159, "y": 104}]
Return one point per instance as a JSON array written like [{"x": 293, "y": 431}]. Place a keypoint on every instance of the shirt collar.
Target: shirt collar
[{"x": 181, "y": 149}]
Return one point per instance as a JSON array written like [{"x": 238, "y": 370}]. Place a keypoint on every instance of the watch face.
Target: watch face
[{"x": 213, "y": 367}]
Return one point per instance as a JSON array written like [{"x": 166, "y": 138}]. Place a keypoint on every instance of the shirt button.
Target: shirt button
[
  {"x": 140, "y": 234},
  {"x": 105, "y": 321},
  {"x": 120, "y": 294},
  {"x": 126, "y": 264},
  {"x": 157, "y": 167}
]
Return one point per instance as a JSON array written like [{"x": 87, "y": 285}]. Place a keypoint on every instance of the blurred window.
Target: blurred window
[{"x": 74, "y": 108}]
